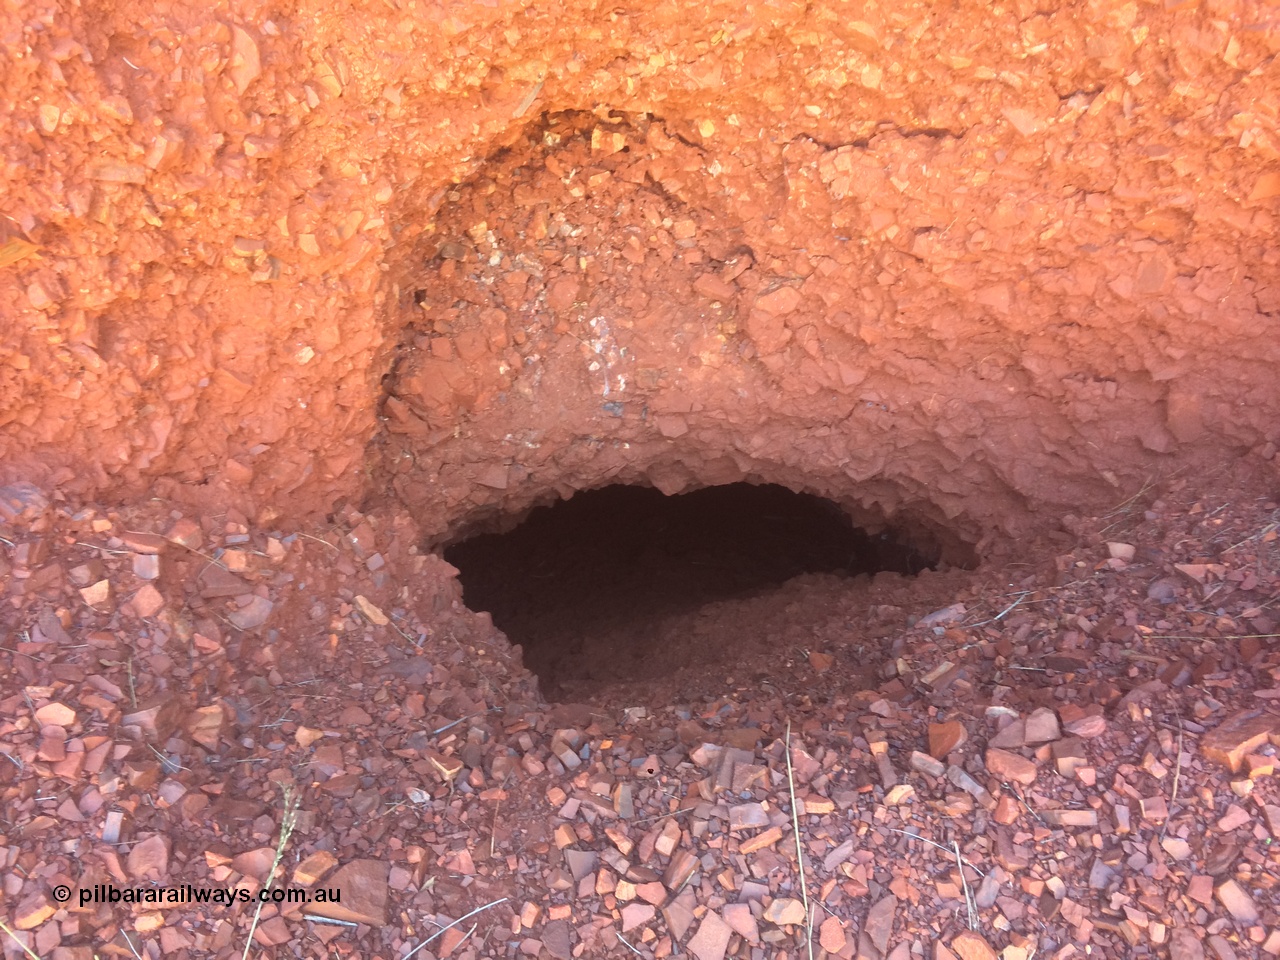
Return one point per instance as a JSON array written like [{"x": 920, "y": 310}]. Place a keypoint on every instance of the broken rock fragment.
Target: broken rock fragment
[
  {"x": 1239, "y": 735},
  {"x": 364, "y": 893},
  {"x": 972, "y": 946},
  {"x": 712, "y": 938},
  {"x": 252, "y": 614},
  {"x": 879, "y": 925},
  {"x": 785, "y": 910},
  {"x": 946, "y": 737}
]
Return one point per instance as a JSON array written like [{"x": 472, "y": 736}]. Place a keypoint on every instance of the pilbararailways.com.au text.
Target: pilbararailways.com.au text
[{"x": 185, "y": 893}]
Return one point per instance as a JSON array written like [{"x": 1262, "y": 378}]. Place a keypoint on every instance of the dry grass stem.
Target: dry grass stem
[
  {"x": 1177, "y": 773},
  {"x": 916, "y": 836},
  {"x": 13, "y": 936},
  {"x": 450, "y": 926},
  {"x": 795, "y": 825},
  {"x": 969, "y": 903},
  {"x": 287, "y": 823}
]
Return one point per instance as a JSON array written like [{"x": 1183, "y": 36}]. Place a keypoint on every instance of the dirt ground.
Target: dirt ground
[
  {"x": 296, "y": 300},
  {"x": 1065, "y": 757}
]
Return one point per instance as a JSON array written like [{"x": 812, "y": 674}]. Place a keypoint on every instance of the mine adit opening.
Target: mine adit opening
[{"x": 586, "y": 585}]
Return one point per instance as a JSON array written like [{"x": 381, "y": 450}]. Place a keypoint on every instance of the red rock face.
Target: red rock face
[{"x": 974, "y": 267}]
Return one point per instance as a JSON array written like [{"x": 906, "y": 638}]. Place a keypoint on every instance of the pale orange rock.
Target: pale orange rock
[
  {"x": 205, "y": 726},
  {"x": 785, "y": 910},
  {"x": 765, "y": 838},
  {"x": 147, "y": 602},
  {"x": 831, "y": 935},
  {"x": 97, "y": 594},
  {"x": 56, "y": 714},
  {"x": 149, "y": 860},
  {"x": 33, "y": 911},
  {"x": 1011, "y": 766},
  {"x": 1239, "y": 735},
  {"x": 972, "y": 946},
  {"x": 313, "y": 869},
  {"x": 306, "y": 736}
]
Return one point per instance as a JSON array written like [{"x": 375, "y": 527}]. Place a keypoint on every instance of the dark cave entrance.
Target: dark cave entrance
[{"x": 584, "y": 585}]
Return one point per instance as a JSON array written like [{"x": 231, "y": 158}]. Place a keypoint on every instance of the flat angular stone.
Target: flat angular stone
[
  {"x": 766, "y": 838},
  {"x": 712, "y": 938},
  {"x": 1239, "y": 735},
  {"x": 653, "y": 892},
  {"x": 831, "y": 935},
  {"x": 146, "y": 566},
  {"x": 144, "y": 543},
  {"x": 923, "y": 763},
  {"x": 1235, "y": 817},
  {"x": 879, "y": 923},
  {"x": 1011, "y": 766},
  {"x": 216, "y": 582},
  {"x": 970, "y": 786},
  {"x": 97, "y": 594},
  {"x": 946, "y": 737},
  {"x": 1069, "y": 755},
  {"x": 742, "y": 921},
  {"x": 33, "y": 911},
  {"x": 187, "y": 533},
  {"x": 253, "y": 614},
  {"x": 1185, "y": 944},
  {"x": 1042, "y": 726},
  {"x": 1011, "y": 736},
  {"x": 636, "y": 914},
  {"x": 580, "y": 862},
  {"x": 56, "y": 714},
  {"x": 254, "y": 863},
  {"x": 1070, "y": 818},
  {"x": 972, "y": 946},
  {"x": 313, "y": 869},
  {"x": 682, "y": 866},
  {"x": 364, "y": 893},
  {"x": 679, "y": 915},
  {"x": 746, "y": 816},
  {"x": 147, "y": 602},
  {"x": 1238, "y": 903},
  {"x": 785, "y": 910},
  {"x": 149, "y": 860},
  {"x": 371, "y": 612},
  {"x": 555, "y": 937},
  {"x": 1084, "y": 722},
  {"x": 1154, "y": 808}
]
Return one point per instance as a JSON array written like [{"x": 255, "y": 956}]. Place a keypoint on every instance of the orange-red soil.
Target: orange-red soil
[{"x": 972, "y": 267}]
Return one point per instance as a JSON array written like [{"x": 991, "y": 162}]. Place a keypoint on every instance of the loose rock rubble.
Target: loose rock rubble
[{"x": 1080, "y": 757}]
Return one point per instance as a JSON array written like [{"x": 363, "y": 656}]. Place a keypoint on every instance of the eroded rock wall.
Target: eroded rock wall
[{"x": 981, "y": 264}]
